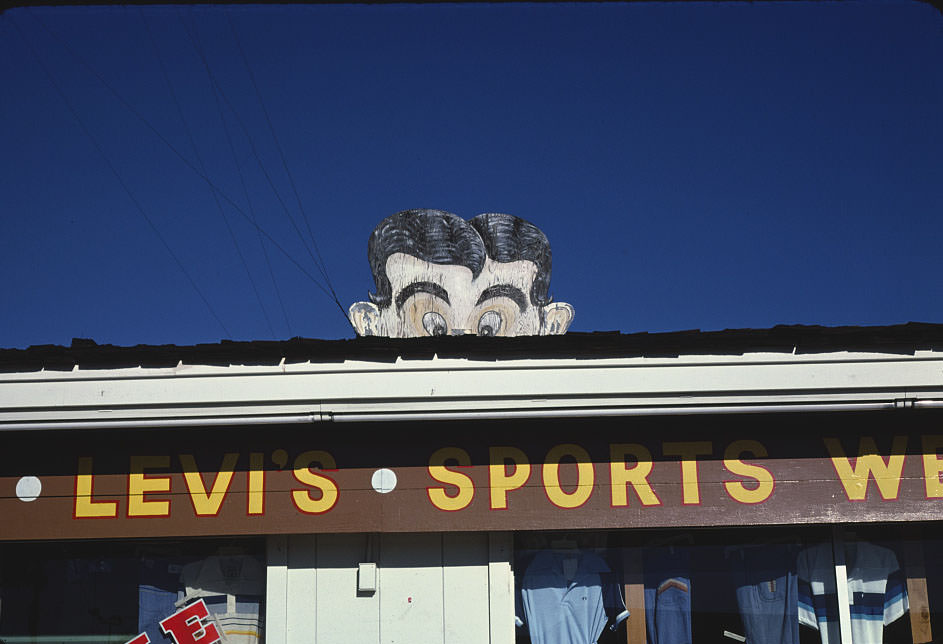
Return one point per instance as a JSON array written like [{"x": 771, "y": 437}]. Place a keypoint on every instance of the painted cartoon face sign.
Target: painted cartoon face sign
[{"x": 437, "y": 274}]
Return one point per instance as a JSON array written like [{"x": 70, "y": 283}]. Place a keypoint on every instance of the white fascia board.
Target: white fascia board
[{"x": 434, "y": 386}]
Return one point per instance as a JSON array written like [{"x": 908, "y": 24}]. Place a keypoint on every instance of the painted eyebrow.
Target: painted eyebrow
[
  {"x": 421, "y": 287},
  {"x": 504, "y": 290}
]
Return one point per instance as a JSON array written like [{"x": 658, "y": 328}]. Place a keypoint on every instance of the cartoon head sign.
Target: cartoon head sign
[{"x": 437, "y": 274}]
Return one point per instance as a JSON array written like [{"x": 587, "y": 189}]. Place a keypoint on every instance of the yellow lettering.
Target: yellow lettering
[
  {"x": 305, "y": 475},
  {"x": 85, "y": 507},
  {"x": 499, "y": 480},
  {"x": 621, "y": 476},
  {"x": 585, "y": 476},
  {"x": 690, "y": 489},
  {"x": 763, "y": 477},
  {"x": 256, "y": 483},
  {"x": 140, "y": 484},
  {"x": 465, "y": 488},
  {"x": 854, "y": 478},
  {"x": 932, "y": 465},
  {"x": 208, "y": 504}
]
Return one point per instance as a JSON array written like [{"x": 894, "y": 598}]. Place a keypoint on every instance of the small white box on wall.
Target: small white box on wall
[{"x": 366, "y": 578}]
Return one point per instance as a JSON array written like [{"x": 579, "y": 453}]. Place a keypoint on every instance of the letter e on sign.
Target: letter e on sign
[{"x": 186, "y": 626}]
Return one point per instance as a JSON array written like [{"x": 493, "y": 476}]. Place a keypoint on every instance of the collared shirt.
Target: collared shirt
[
  {"x": 232, "y": 588},
  {"x": 567, "y": 596},
  {"x": 876, "y": 591}
]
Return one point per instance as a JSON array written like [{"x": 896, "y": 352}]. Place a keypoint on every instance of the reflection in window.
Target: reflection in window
[
  {"x": 111, "y": 592},
  {"x": 761, "y": 586},
  {"x": 568, "y": 593}
]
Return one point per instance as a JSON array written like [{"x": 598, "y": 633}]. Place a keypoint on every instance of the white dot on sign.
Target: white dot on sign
[
  {"x": 28, "y": 488},
  {"x": 383, "y": 480}
]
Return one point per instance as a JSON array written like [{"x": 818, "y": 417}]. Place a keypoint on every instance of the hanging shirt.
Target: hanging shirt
[
  {"x": 567, "y": 597},
  {"x": 767, "y": 592},
  {"x": 232, "y": 589},
  {"x": 876, "y": 591}
]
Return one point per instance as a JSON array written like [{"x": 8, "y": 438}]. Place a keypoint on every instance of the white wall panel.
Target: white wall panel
[
  {"x": 454, "y": 588},
  {"x": 276, "y": 586},
  {"x": 301, "y": 593},
  {"x": 501, "y": 587},
  {"x": 465, "y": 588},
  {"x": 344, "y": 615},
  {"x": 411, "y": 590}
]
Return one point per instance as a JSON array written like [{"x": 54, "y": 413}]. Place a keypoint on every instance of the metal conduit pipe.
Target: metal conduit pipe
[
  {"x": 352, "y": 417},
  {"x": 151, "y": 423},
  {"x": 621, "y": 411}
]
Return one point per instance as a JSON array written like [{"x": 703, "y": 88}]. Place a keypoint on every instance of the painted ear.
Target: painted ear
[
  {"x": 557, "y": 317},
  {"x": 364, "y": 316}
]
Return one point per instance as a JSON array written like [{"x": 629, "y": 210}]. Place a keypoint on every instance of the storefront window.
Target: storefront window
[
  {"x": 894, "y": 581},
  {"x": 762, "y": 586},
  {"x": 108, "y": 592}
]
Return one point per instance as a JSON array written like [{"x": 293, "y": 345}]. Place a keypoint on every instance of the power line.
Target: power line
[
  {"x": 218, "y": 91},
  {"x": 114, "y": 171},
  {"x": 185, "y": 160},
  {"x": 199, "y": 159},
  {"x": 268, "y": 263},
  {"x": 281, "y": 153},
  {"x": 242, "y": 181},
  {"x": 328, "y": 290}
]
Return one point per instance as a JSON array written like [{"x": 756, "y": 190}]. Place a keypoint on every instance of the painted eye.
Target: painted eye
[
  {"x": 434, "y": 323},
  {"x": 489, "y": 323}
]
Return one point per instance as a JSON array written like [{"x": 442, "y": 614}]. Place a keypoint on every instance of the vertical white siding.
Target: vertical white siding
[
  {"x": 411, "y": 589},
  {"x": 344, "y": 615},
  {"x": 465, "y": 588},
  {"x": 276, "y": 606},
  {"x": 501, "y": 587},
  {"x": 431, "y": 588},
  {"x": 302, "y": 590}
]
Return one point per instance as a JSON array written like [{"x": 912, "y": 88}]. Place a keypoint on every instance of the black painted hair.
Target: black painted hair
[
  {"x": 508, "y": 239},
  {"x": 440, "y": 237}
]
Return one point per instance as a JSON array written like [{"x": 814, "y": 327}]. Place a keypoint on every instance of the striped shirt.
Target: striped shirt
[
  {"x": 232, "y": 589},
  {"x": 876, "y": 591}
]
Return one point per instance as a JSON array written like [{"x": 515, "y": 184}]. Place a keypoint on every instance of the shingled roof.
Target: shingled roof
[{"x": 87, "y": 354}]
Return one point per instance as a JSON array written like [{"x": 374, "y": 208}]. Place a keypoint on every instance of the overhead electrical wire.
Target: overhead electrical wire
[
  {"x": 88, "y": 133},
  {"x": 281, "y": 151},
  {"x": 268, "y": 262},
  {"x": 186, "y": 161},
  {"x": 245, "y": 188},
  {"x": 219, "y": 92},
  {"x": 318, "y": 262},
  {"x": 202, "y": 165}
]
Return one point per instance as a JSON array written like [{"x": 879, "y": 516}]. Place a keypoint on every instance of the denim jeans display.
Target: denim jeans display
[{"x": 668, "y": 595}]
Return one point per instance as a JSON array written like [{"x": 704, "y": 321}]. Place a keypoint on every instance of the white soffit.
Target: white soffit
[{"x": 457, "y": 388}]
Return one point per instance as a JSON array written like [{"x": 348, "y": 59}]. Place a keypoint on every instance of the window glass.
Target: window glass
[
  {"x": 672, "y": 587},
  {"x": 106, "y": 592},
  {"x": 895, "y": 582}
]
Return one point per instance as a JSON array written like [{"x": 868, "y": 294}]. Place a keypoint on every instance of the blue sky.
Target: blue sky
[{"x": 695, "y": 165}]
